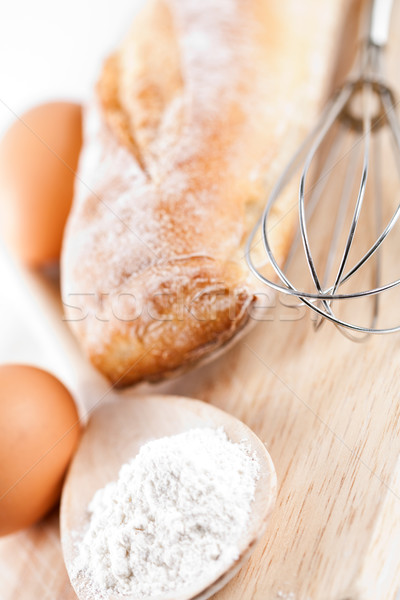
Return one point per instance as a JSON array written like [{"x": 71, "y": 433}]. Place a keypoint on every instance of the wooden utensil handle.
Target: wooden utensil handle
[{"x": 40, "y": 307}]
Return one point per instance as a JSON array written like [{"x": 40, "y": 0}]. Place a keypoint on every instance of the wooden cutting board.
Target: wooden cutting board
[{"x": 328, "y": 411}]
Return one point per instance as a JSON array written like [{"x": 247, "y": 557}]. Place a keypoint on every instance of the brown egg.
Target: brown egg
[
  {"x": 39, "y": 431},
  {"x": 38, "y": 160}
]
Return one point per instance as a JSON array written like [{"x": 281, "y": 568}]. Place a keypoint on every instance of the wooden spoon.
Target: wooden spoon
[
  {"x": 120, "y": 423},
  {"x": 114, "y": 435}
]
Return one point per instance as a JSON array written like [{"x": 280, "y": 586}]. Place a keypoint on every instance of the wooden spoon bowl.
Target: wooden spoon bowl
[{"x": 115, "y": 434}]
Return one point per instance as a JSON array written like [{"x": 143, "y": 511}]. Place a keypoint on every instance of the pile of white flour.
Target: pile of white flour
[{"x": 176, "y": 514}]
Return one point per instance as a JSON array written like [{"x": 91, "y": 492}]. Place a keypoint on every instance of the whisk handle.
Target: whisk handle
[{"x": 380, "y": 22}]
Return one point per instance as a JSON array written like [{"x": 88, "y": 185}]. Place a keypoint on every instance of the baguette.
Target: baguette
[{"x": 193, "y": 118}]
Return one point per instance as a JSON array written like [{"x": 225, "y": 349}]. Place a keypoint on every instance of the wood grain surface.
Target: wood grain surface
[{"x": 328, "y": 412}]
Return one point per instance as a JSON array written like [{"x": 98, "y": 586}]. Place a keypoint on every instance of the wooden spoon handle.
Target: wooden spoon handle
[{"x": 39, "y": 305}]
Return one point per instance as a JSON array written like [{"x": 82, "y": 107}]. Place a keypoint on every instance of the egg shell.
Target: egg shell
[
  {"x": 39, "y": 431},
  {"x": 38, "y": 160}
]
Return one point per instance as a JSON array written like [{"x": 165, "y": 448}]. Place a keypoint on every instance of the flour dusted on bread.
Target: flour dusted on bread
[{"x": 193, "y": 117}]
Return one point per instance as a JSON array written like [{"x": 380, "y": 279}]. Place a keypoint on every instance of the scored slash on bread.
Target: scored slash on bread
[{"x": 193, "y": 118}]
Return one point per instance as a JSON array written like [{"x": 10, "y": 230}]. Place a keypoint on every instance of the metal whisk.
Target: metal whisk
[{"x": 349, "y": 137}]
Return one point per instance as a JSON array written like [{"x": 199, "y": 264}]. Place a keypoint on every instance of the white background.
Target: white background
[
  {"x": 49, "y": 50},
  {"x": 52, "y": 50}
]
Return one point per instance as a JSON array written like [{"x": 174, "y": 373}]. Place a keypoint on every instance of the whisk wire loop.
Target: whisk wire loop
[{"x": 343, "y": 113}]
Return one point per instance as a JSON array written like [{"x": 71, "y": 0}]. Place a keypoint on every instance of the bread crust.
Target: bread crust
[{"x": 194, "y": 116}]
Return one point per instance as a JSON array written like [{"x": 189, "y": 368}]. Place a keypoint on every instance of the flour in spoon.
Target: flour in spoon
[{"x": 175, "y": 517}]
